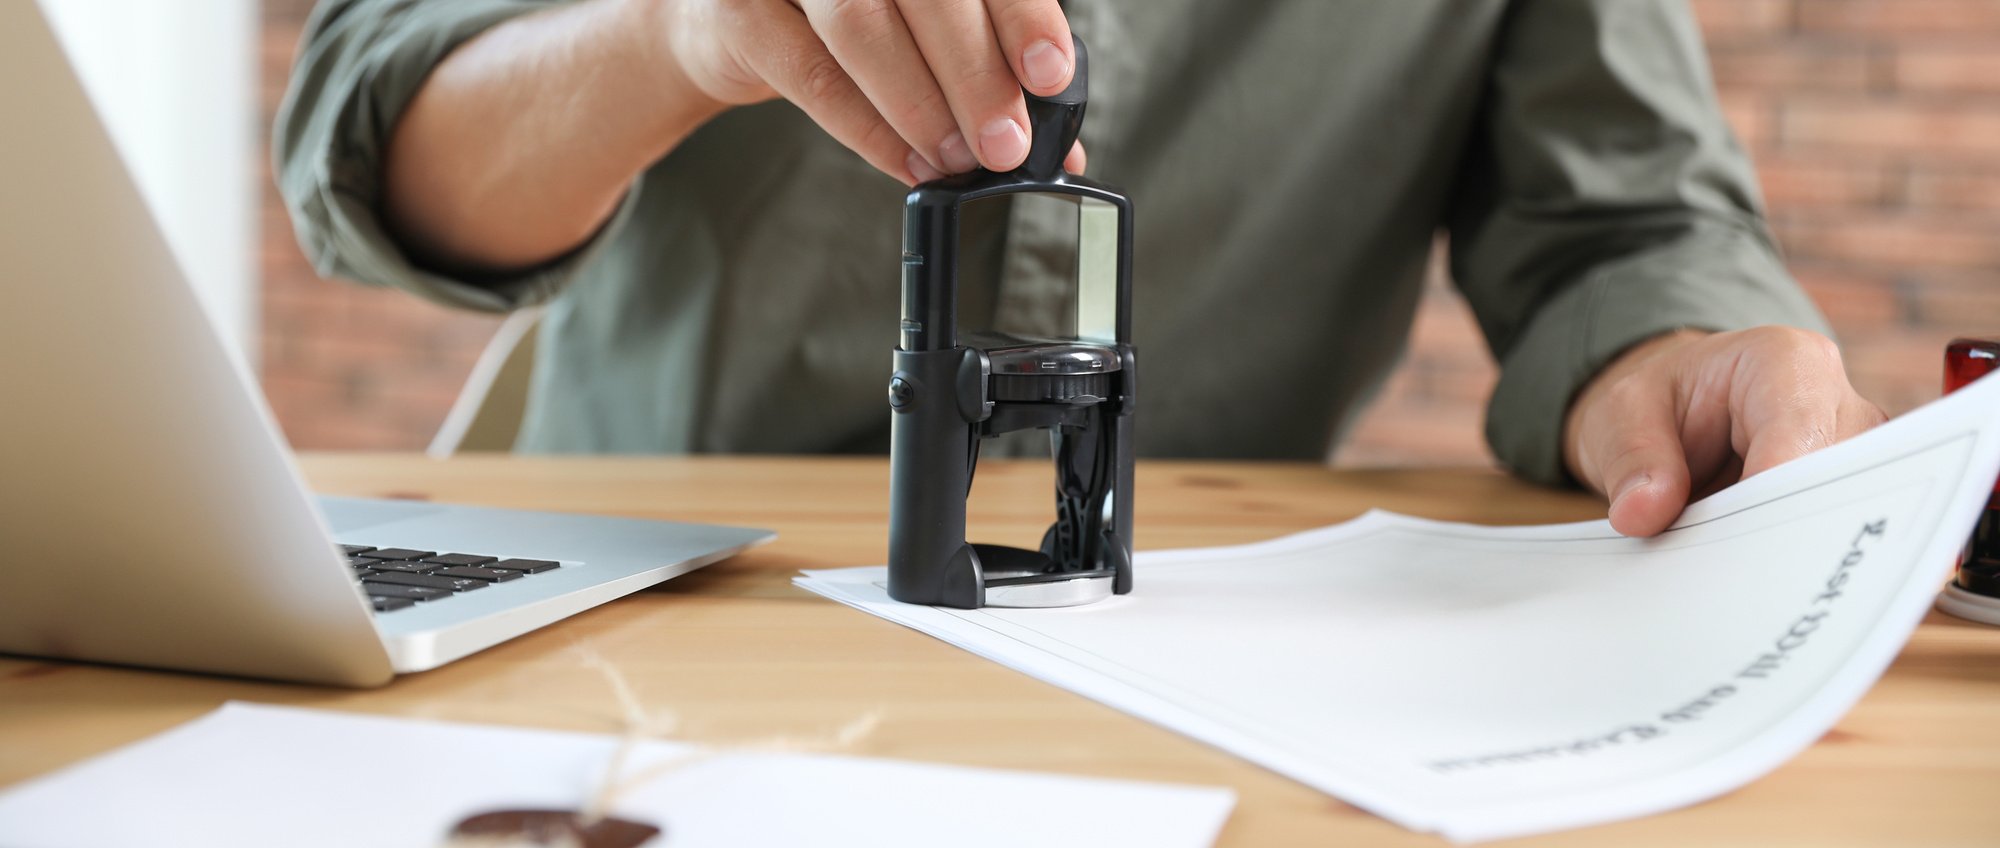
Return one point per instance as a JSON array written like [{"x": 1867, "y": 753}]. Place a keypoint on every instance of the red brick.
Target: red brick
[
  {"x": 306, "y": 432},
  {"x": 1417, "y": 436},
  {"x": 1958, "y": 307},
  {"x": 1752, "y": 116},
  {"x": 1955, "y": 190},
  {"x": 1878, "y": 126},
  {"x": 1400, "y": 390},
  {"x": 1898, "y": 371},
  {"x": 306, "y": 394},
  {"x": 1894, "y": 242},
  {"x": 1455, "y": 385},
  {"x": 1876, "y": 18},
  {"x": 1460, "y": 370},
  {"x": 1443, "y": 319},
  {"x": 1807, "y": 184},
  {"x": 1855, "y": 303},
  {"x": 1722, "y": 20},
  {"x": 1792, "y": 67},
  {"x": 1971, "y": 69},
  {"x": 358, "y": 433}
]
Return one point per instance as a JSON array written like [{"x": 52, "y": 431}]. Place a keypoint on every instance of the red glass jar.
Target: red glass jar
[{"x": 1966, "y": 360}]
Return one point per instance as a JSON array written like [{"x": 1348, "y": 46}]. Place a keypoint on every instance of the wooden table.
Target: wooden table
[{"x": 739, "y": 655}]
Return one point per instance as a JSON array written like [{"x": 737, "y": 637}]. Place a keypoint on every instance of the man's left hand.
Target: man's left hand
[{"x": 1685, "y": 414}]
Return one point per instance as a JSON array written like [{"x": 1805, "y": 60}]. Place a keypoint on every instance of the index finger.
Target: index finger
[
  {"x": 1034, "y": 36},
  {"x": 797, "y": 65}
]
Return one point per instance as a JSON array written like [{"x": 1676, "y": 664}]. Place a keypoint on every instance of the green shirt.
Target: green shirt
[{"x": 1291, "y": 163}]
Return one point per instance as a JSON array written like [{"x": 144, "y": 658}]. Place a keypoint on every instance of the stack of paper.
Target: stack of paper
[
  {"x": 1487, "y": 682},
  {"x": 263, "y": 776}
]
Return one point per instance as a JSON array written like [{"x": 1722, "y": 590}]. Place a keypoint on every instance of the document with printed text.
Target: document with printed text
[{"x": 1485, "y": 682}]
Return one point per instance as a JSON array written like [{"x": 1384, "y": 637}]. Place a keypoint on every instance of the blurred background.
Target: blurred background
[{"x": 1874, "y": 124}]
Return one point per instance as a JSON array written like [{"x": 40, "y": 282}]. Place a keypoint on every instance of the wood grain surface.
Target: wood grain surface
[{"x": 739, "y": 656}]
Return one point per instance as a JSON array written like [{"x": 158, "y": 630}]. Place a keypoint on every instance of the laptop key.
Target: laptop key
[
  {"x": 400, "y": 566},
  {"x": 411, "y": 593},
  {"x": 351, "y": 550},
  {"x": 361, "y": 561},
  {"x": 459, "y": 559},
  {"x": 449, "y": 584},
  {"x": 473, "y": 572},
  {"x": 398, "y": 553},
  {"x": 531, "y": 566},
  {"x": 384, "y": 603}
]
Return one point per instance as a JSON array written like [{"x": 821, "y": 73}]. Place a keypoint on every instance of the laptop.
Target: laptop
[{"x": 150, "y": 512}]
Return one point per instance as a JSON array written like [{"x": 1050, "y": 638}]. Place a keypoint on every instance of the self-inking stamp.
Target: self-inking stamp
[{"x": 951, "y": 389}]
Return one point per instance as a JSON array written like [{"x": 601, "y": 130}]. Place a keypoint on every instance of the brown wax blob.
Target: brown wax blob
[{"x": 553, "y": 827}]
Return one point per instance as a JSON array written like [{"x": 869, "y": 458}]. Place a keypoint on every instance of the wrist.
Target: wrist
[{"x": 647, "y": 46}]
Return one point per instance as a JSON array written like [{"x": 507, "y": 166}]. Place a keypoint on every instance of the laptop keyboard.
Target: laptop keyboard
[{"x": 396, "y": 578}]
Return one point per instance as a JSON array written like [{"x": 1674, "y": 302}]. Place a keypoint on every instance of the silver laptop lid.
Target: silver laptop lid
[{"x": 149, "y": 513}]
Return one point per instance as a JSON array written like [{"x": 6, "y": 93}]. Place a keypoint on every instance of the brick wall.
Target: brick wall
[{"x": 1875, "y": 125}]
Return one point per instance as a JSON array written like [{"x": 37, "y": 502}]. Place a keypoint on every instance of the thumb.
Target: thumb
[{"x": 1642, "y": 469}]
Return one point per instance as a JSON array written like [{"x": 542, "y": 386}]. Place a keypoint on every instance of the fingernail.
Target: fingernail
[
  {"x": 1045, "y": 64},
  {"x": 919, "y": 168},
  {"x": 1004, "y": 143},
  {"x": 1630, "y": 483},
  {"x": 957, "y": 155}
]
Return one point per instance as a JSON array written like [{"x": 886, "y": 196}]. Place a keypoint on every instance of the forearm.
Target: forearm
[{"x": 521, "y": 143}]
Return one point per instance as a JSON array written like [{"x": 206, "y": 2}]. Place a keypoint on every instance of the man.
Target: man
[{"x": 722, "y": 273}]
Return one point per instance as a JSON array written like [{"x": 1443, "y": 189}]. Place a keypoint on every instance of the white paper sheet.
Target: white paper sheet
[
  {"x": 1489, "y": 682},
  {"x": 248, "y": 775}
]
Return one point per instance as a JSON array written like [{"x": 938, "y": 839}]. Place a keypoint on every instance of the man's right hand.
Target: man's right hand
[
  {"x": 521, "y": 143},
  {"x": 919, "y": 88}
]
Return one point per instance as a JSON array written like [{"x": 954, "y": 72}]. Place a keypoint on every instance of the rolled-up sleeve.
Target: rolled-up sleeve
[
  {"x": 1603, "y": 201},
  {"x": 359, "y": 65}
]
